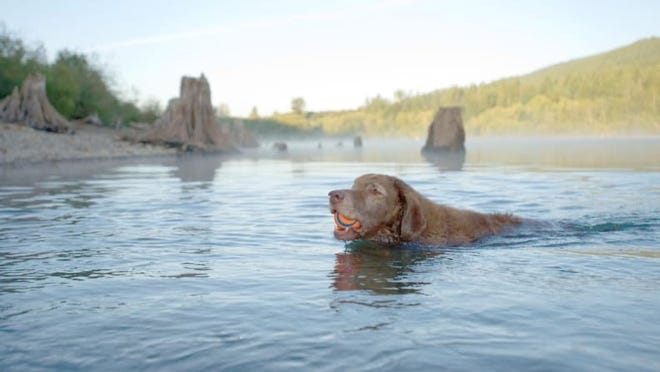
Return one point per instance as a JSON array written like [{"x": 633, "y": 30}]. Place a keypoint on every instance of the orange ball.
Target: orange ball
[{"x": 344, "y": 221}]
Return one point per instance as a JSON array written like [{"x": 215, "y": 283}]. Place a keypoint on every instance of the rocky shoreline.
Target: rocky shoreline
[{"x": 21, "y": 145}]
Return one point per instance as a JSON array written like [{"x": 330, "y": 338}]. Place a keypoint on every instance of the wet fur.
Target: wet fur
[{"x": 391, "y": 211}]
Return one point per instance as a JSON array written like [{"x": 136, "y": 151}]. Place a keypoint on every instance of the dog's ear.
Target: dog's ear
[{"x": 413, "y": 221}]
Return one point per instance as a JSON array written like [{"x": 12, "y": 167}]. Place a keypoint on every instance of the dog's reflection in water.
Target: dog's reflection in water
[{"x": 380, "y": 268}]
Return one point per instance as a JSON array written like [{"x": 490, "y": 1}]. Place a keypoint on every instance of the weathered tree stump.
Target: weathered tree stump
[
  {"x": 189, "y": 122},
  {"x": 446, "y": 132},
  {"x": 280, "y": 147},
  {"x": 32, "y": 107}
]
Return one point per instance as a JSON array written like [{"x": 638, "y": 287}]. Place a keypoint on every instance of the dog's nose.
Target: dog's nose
[{"x": 336, "y": 195}]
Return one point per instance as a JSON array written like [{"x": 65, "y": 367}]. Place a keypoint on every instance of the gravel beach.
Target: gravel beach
[{"x": 20, "y": 145}]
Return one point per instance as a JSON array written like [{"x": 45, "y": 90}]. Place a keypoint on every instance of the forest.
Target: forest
[{"x": 610, "y": 93}]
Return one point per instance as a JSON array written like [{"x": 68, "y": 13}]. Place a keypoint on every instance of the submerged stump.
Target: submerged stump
[
  {"x": 189, "y": 122},
  {"x": 32, "y": 107},
  {"x": 280, "y": 147},
  {"x": 446, "y": 132}
]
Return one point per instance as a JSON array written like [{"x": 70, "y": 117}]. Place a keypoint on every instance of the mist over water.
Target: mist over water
[
  {"x": 567, "y": 152},
  {"x": 209, "y": 262}
]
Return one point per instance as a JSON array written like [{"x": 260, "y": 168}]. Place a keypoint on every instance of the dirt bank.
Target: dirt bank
[{"x": 20, "y": 144}]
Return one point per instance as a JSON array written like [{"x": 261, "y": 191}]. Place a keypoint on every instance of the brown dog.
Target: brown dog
[{"x": 386, "y": 209}]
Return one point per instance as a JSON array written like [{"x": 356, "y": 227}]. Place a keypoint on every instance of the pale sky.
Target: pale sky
[{"x": 334, "y": 54}]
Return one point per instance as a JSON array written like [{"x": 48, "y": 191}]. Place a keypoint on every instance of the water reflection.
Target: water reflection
[
  {"x": 446, "y": 160},
  {"x": 198, "y": 168},
  {"x": 48, "y": 171},
  {"x": 382, "y": 269}
]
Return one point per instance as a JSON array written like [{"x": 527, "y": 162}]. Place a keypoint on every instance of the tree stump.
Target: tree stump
[
  {"x": 189, "y": 121},
  {"x": 280, "y": 147},
  {"x": 446, "y": 132},
  {"x": 32, "y": 107}
]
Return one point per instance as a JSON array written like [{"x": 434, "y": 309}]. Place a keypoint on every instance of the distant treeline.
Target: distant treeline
[
  {"x": 613, "y": 92},
  {"x": 75, "y": 86},
  {"x": 278, "y": 128}
]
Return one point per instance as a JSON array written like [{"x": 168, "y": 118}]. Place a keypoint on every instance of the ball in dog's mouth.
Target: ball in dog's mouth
[
  {"x": 345, "y": 227},
  {"x": 343, "y": 222}
]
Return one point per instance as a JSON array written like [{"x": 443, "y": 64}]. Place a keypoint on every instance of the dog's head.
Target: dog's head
[{"x": 386, "y": 208}]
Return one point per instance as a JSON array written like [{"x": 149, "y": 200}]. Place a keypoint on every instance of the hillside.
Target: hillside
[
  {"x": 643, "y": 53},
  {"x": 609, "y": 93}
]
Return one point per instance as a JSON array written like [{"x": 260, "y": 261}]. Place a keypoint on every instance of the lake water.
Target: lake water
[{"x": 212, "y": 263}]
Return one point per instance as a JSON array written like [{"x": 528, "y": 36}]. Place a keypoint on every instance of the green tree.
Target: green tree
[
  {"x": 400, "y": 95},
  {"x": 254, "y": 114},
  {"x": 17, "y": 61},
  {"x": 72, "y": 79},
  {"x": 151, "y": 110},
  {"x": 298, "y": 105},
  {"x": 63, "y": 89}
]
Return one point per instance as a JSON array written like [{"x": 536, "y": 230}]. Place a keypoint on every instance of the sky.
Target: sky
[{"x": 333, "y": 54}]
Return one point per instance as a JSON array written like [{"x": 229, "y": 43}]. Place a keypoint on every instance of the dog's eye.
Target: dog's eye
[{"x": 374, "y": 190}]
